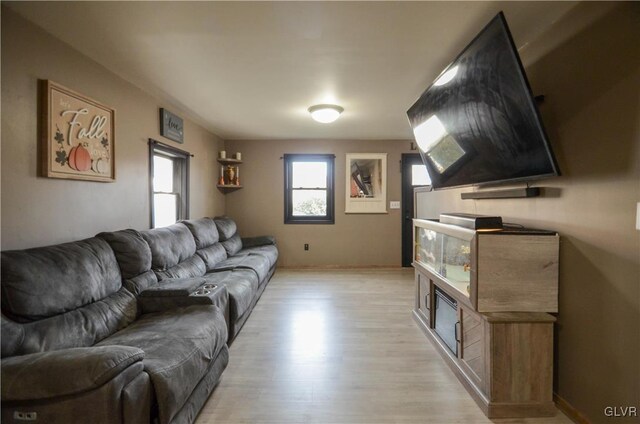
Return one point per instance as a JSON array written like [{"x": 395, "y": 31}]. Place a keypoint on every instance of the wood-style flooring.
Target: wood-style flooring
[{"x": 339, "y": 346}]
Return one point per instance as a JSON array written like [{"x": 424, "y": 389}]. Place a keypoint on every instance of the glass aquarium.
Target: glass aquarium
[
  {"x": 429, "y": 248},
  {"x": 445, "y": 255}
]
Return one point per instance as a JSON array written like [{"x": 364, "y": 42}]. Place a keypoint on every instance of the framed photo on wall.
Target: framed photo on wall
[
  {"x": 77, "y": 135},
  {"x": 366, "y": 183}
]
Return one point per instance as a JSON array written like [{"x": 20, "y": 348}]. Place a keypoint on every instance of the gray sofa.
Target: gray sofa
[{"x": 127, "y": 326}]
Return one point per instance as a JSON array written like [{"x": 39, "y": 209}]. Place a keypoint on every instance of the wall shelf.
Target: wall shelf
[
  {"x": 229, "y": 161},
  {"x": 228, "y": 187},
  {"x": 229, "y": 175}
]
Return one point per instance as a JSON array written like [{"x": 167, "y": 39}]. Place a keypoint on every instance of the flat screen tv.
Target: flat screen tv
[{"x": 478, "y": 123}]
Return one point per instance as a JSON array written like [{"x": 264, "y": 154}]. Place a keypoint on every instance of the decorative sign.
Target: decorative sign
[
  {"x": 77, "y": 136},
  {"x": 171, "y": 126}
]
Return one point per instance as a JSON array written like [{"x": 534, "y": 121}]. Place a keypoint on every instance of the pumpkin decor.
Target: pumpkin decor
[
  {"x": 100, "y": 165},
  {"x": 79, "y": 158}
]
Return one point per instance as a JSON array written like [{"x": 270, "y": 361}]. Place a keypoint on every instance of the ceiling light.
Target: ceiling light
[{"x": 325, "y": 113}]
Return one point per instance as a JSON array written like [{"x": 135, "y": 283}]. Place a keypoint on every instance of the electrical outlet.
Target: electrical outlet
[
  {"x": 306, "y": 246},
  {"x": 395, "y": 204}
]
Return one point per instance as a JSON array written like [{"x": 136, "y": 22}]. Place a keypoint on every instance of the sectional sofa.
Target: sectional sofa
[{"x": 127, "y": 326}]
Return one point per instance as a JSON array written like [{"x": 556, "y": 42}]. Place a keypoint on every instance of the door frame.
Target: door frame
[{"x": 408, "y": 207}]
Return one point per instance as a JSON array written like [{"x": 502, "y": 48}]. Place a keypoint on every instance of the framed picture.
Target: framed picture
[
  {"x": 77, "y": 136},
  {"x": 366, "y": 185},
  {"x": 171, "y": 126},
  {"x": 358, "y": 180}
]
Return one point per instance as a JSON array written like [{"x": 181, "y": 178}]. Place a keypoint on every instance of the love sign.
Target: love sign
[
  {"x": 78, "y": 136},
  {"x": 171, "y": 126}
]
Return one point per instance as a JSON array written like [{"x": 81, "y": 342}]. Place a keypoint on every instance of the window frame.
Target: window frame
[
  {"x": 289, "y": 159},
  {"x": 181, "y": 175}
]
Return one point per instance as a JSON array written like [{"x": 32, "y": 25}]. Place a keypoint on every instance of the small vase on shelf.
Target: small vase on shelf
[
  {"x": 229, "y": 175},
  {"x": 221, "y": 179},
  {"x": 237, "y": 179}
]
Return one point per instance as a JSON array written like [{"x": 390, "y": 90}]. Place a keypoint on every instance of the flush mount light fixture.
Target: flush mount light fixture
[{"x": 325, "y": 113}]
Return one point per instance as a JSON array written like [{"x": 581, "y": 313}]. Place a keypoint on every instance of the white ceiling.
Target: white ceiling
[{"x": 249, "y": 70}]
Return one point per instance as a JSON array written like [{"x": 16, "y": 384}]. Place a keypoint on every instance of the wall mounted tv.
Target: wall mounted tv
[{"x": 478, "y": 122}]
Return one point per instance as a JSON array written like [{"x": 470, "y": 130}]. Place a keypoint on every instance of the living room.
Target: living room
[{"x": 335, "y": 321}]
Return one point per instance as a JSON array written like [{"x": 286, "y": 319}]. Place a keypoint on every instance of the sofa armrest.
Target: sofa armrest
[
  {"x": 174, "y": 287},
  {"x": 258, "y": 241},
  {"x": 64, "y": 372},
  {"x": 182, "y": 292}
]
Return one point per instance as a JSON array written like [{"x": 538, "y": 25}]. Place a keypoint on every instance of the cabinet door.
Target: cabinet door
[
  {"x": 423, "y": 300},
  {"x": 472, "y": 341}
]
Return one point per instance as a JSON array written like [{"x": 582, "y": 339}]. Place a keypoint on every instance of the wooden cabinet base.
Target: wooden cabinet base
[
  {"x": 514, "y": 376},
  {"x": 520, "y": 410}
]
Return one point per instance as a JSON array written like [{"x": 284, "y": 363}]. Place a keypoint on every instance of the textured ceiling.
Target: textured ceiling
[{"x": 249, "y": 70}]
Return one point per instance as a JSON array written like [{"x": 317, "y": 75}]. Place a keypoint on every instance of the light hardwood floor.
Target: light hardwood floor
[{"x": 339, "y": 346}]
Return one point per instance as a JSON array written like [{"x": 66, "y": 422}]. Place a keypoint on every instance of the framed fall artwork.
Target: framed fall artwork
[{"x": 78, "y": 136}]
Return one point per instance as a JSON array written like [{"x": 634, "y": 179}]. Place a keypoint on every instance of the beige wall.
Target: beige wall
[
  {"x": 592, "y": 113},
  {"x": 354, "y": 240},
  {"x": 38, "y": 211}
]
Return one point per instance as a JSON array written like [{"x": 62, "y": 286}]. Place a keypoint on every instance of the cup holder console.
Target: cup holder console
[{"x": 205, "y": 290}]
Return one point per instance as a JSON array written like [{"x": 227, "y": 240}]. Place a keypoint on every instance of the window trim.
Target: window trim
[
  {"x": 289, "y": 218},
  {"x": 161, "y": 149}
]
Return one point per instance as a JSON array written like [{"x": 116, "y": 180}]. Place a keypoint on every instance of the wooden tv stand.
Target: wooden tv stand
[{"x": 483, "y": 298}]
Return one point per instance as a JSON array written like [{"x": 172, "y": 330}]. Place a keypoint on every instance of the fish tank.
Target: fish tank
[{"x": 446, "y": 255}]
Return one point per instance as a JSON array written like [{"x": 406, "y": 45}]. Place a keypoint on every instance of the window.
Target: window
[
  {"x": 308, "y": 185},
  {"x": 419, "y": 175},
  {"x": 169, "y": 184}
]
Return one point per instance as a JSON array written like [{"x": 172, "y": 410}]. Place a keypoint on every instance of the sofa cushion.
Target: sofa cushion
[
  {"x": 226, "y": 227},
  {"x": 169, "y": 245},
  {"x": 64, "y": 372},
  {"x": 258, "y": 241},
  {"x": 81, "y": 327},
  {"x": 134, "y": 258},
  {"x": 255, "y": 262},
  {"x": 189, "y": 268},
  {"x": 204, "y": 231},
  {"x": 232, "y": 245},
  {"x": 179, "y": 346},
  {"x": 12, "y": 336},
  {"x": 212, "y": 255},
  {"x": 140, "y": 283},
  {"x": 242, "y": 285},
  {"x": 46, "y": 281},
  {"x": 270, "y": 252},
  {"x": 131, "y": 250}
]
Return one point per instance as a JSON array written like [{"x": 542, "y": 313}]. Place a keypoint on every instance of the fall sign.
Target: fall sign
[{"x": 78, "y": 136}]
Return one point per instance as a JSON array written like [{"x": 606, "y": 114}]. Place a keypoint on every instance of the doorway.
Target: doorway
[{"x": 414, "y": 174}]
